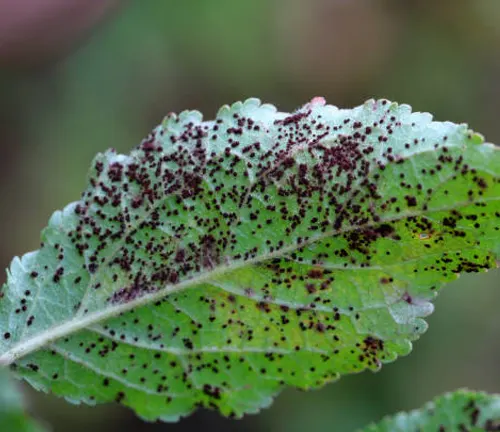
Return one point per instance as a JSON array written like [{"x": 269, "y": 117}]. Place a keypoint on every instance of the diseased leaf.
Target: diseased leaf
[
  {"x": 12, "y": 415},
  {"x": 458, "y": 411},
  {"x": 223, "y": 260}
]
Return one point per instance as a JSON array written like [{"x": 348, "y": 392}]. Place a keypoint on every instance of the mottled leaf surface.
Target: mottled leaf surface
[
  {"x": 459, "y": 411},
  {"x": 223, "y": 260},
  {"x": 13, "y": 417}
]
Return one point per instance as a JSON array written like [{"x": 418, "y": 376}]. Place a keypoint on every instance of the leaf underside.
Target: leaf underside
[
  {"x": 458, "y": 411},
  {"x": 223, "y": 260}
]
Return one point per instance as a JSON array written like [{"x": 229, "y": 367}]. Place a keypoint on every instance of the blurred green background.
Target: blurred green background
[{"x": 154, "y": 56}]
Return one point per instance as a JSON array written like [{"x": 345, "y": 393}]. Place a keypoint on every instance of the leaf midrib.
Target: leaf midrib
[{"x": 67, "y": 328}]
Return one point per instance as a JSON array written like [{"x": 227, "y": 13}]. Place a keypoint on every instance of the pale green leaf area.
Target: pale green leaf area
[
  {"x": 13, "y": 417},
  {"x": 461, "y": 411},
  {"x": 224, "y": 260}
]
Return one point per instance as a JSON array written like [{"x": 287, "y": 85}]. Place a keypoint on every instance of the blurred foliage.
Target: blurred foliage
[
  {"x": 12, "y": 413},
  {"x": 159, "y": 56}
]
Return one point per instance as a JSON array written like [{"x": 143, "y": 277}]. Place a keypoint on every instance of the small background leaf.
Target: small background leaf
[
  {"x": 13, "y": 417},
  {"x": 458, "y": 411}
]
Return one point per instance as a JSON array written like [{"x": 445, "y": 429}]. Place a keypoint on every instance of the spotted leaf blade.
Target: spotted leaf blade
[
  {"x": 12, "y": 413},
  {"x": 462, "y": 410},
  {"x": 223, "y": 260}
]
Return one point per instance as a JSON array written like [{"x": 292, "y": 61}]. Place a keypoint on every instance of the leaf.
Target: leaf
[
  {"x": 458, "y": 411},
  {"x": 223, "y": 260},
  {"x": 12, "y": 415}
]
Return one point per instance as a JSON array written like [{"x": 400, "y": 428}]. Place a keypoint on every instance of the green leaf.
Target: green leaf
[
  {"x": 223, "y": 260},
  {"x": 12, "y": 415},
  {"x": 458, "y": 411}
]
